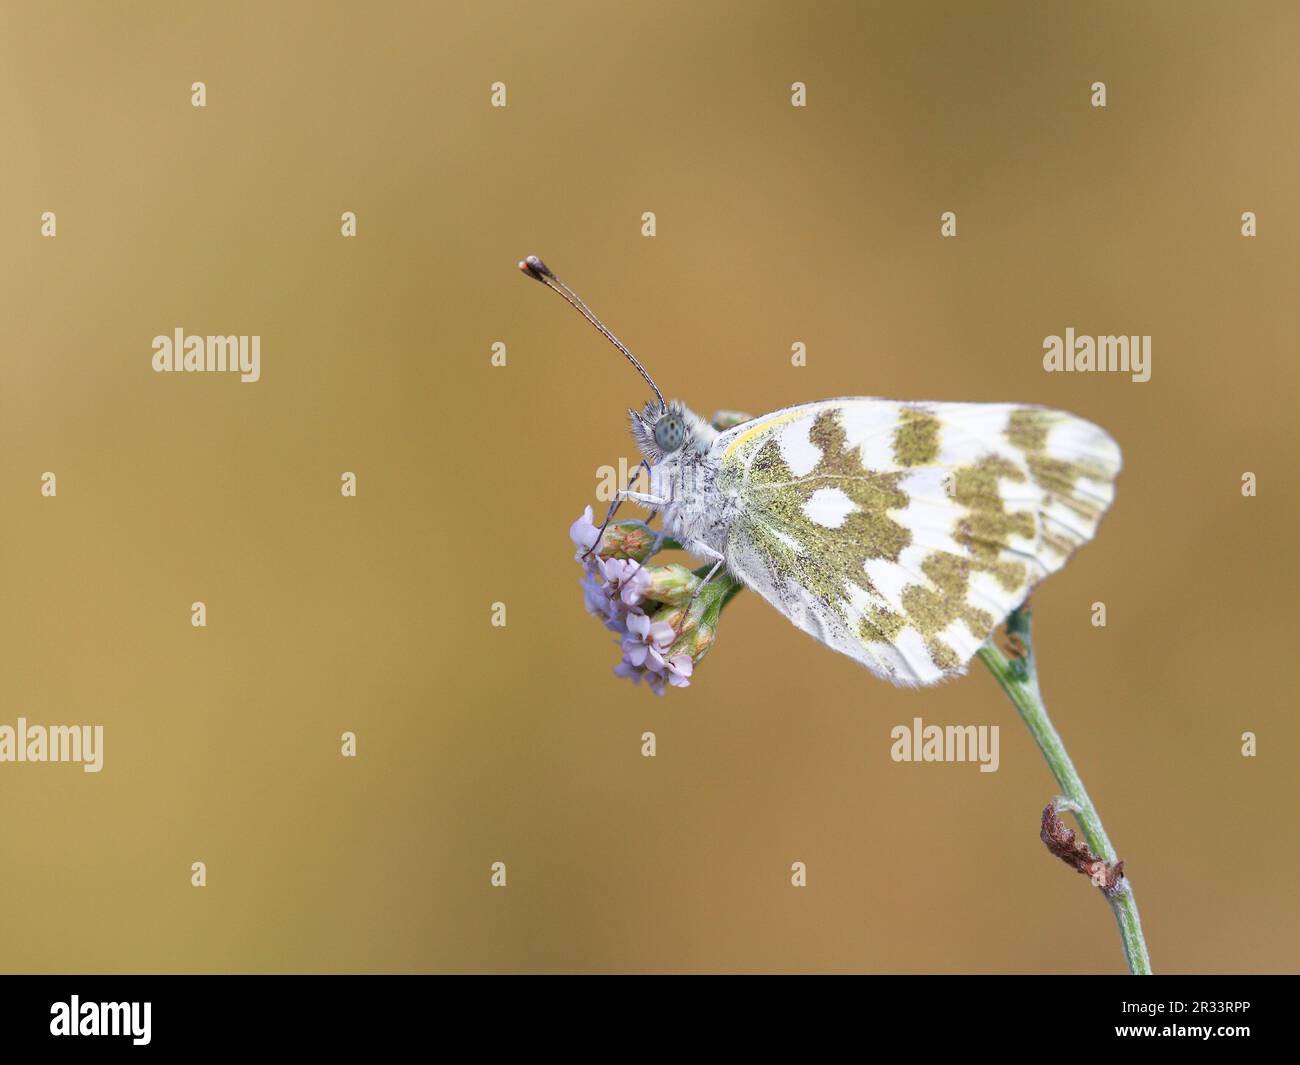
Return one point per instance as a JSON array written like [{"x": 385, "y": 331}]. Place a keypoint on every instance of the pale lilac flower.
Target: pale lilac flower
[
  {"x": 646, "y": 642},
  {"x": 628, "y": 577},
  {"x": 614, "y": 569},
  {"x": 599, "y": 603},
  {"x": 654, "y": 681},
  {"x": 679, "y": 670},
  {"x": 584, "y": 533},
  {"x": 650, "y": 608},
  {"x": 612, "y": 589}
]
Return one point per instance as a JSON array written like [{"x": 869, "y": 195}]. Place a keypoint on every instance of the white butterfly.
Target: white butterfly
[{"x": 900, "y": 534}]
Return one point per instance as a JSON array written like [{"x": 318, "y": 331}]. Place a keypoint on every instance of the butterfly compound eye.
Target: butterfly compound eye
[{"x": 670, "y": 433}]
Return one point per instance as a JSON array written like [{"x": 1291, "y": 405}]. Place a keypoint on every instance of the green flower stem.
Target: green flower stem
[
  {"x": 1019, "y": 679},
  {"x": 722, "y": 588}
]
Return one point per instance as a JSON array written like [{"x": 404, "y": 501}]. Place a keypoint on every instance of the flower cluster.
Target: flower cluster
[{"x": 664, "y": 616}]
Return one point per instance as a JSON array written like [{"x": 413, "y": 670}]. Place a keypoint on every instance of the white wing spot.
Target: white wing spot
[
  {"x": 931, "y": 515},
  {"x": 799, "y": 453},
  {"x": 828, "y": 507},
  {"x": 958, "y": 636},
  {"x": 870, "y": 426},
  {"x": 911, "y": 645},
  {"x": 889, "y": 579}
]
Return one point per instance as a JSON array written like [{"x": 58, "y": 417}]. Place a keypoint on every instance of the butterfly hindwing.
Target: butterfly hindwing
[{"x": 902, "y": 534}]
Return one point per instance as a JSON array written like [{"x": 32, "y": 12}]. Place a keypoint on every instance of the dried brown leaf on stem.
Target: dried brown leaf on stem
[{"x": 1074, "y": 852}]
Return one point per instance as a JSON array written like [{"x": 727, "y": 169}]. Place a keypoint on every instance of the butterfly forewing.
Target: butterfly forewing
[{"x": 902, "y": 534}]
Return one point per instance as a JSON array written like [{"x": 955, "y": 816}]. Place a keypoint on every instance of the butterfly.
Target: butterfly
[{"x": 898, "y": 533}]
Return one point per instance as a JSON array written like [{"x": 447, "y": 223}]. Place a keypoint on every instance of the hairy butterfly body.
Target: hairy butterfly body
[{"x": 898, "y": 533}]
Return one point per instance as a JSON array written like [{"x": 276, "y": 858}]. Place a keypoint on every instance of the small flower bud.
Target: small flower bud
[
  {"x": 671, "y": 584},
  {"x": 696, "y": 627},
  {"x": 666, "y": 617},
  {"x": 627, "y": 539}
]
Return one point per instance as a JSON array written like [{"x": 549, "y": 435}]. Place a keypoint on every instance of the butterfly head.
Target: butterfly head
[{"x": 664, "y": 432}]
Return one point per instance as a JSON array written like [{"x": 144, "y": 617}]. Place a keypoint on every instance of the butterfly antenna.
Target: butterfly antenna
[{"x": 539, "y": 271}]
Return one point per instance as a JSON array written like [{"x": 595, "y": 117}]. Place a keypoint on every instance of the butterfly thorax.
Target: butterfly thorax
[{"x": 697, "y": 510}]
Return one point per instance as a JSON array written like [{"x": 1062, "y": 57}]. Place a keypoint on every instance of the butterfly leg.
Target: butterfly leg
[
  {"x": 613, "y": 509},
  {"x": 639, "y": 497},
  {"x": 643, "y": 497},
  {"x": 649, "y": 501},
  {"x": 708, "y": 552},
  {"x": 718, "y": 560},
  {"x": 660, "y": 536},
  {"x": 609, "y": 516}
]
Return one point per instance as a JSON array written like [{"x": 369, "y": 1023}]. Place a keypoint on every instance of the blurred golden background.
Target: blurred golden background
[{"x": 775, "y": 224}]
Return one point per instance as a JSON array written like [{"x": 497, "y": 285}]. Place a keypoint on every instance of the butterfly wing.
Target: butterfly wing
[{"x": 902, "y": 534}]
